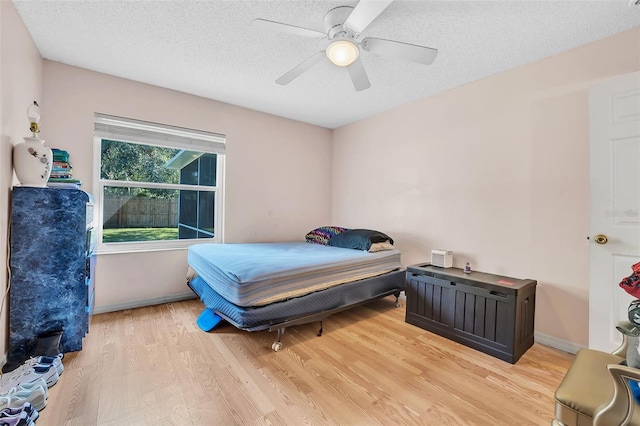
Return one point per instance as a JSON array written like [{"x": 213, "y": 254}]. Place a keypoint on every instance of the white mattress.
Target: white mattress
[{"x": 261, "y": 273}]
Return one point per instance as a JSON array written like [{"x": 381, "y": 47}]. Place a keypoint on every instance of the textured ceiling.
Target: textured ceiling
[{"x": 210, "y": 49}]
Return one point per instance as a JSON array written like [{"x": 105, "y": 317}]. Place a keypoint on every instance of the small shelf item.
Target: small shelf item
[{"x": 32, "y": 158}]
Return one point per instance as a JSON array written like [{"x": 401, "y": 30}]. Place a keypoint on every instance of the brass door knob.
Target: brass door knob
[{"x": 601, "y": 239}]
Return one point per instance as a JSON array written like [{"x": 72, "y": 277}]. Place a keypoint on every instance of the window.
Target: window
[{"x": 156, "y": 186}]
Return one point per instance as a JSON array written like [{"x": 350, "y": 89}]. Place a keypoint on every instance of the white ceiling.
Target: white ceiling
[{"x": 209, "y": 48}]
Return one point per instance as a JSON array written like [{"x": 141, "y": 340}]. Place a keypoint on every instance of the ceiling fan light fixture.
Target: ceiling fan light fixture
[{"x": 342, "y": 53}]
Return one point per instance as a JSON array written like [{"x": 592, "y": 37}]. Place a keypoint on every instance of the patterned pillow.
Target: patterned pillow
[{"x": 323, "y": 234}]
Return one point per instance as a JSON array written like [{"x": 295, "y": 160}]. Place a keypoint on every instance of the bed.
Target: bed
[{"x": 272, "y": 286}]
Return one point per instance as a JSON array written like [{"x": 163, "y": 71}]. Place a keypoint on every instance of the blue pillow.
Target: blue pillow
[{"x": 359, "y": 239}]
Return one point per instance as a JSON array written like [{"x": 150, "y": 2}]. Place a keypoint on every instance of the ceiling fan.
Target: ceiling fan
[{"x": 343, "y": 26}]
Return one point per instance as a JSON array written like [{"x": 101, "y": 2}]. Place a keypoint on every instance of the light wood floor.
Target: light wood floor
[{"x": 153, "y": 366}]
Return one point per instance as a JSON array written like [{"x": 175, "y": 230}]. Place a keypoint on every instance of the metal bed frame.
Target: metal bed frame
[{"x": 280, "y": 325}]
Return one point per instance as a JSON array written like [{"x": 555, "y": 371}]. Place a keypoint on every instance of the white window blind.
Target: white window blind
[{"x": 143, "y": 132}]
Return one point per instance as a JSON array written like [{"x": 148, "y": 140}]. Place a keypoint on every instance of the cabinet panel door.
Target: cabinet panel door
[{"x": 430, "y": 298}]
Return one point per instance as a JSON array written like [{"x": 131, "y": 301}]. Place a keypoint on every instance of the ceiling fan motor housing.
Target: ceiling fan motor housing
[
  {"x": 343, "y": 26},
  {"x": 334, "y": 20}
]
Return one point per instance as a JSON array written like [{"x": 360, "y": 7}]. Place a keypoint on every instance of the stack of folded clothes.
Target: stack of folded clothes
[
  {"x": 61, "y": 167},
  {"x": 23, "y": 391},
  {"x": 61, "y": 171}
]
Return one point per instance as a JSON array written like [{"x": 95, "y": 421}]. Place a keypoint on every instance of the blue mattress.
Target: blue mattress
[
  {"x": 263, "y": 273},
  {"x": 264, "y": 317}
]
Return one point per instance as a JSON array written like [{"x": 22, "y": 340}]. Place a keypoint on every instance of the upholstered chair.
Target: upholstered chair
[{"x": 599, "y": 389}]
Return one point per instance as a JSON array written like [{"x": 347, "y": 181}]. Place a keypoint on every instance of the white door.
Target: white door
[{"x": 614, "y": 167}]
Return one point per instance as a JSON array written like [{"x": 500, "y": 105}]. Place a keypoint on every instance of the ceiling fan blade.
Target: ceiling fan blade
[
  {"x": 286, "y": 28},
  {"x": 411, "y": 52},
  {"x": 294, "y": 72},
  {"x": 364, "y": 13},
  {"x": 358, "y": 75}
]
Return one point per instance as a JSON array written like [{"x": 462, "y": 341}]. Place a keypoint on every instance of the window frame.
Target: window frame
[{"x": 146, "y": 133}]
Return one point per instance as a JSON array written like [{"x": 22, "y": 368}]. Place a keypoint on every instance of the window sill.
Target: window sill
[{"x": 148, "y": 246}]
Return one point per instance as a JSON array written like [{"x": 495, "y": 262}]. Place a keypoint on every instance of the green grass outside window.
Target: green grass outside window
[{"x": 123, "y": 235}]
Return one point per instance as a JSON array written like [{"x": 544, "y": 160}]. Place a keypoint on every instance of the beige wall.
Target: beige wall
[
  {"x": 277, "y": 170},
  {"x": 496, "y": 170},
  {"x": 20, "y": 84}
]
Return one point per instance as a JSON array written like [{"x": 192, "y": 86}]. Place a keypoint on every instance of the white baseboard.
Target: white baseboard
[
  {"x": 142, "y": 303},
  {"x": 554, "y": 342}
]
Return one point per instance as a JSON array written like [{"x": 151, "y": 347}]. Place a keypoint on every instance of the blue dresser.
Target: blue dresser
[{"x": 52, "y": 262}]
